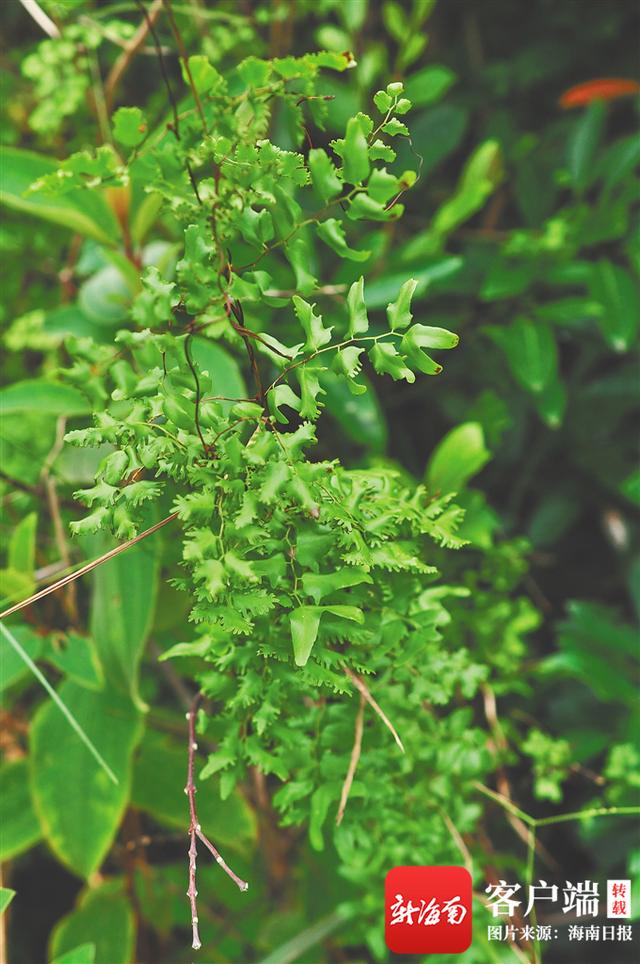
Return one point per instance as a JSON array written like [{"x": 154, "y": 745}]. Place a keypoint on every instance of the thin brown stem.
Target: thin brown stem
[
  {"x": 53, "y": 502},
  {"x": 187, "y": 353},
  {"x": 185, "y": 62},
  {"x": 362, "y": 687},
  {"x": 130, "y": 49},
  {"x": 195, "y": 830},
  {"x": 172, "y": 100},
  {"x": 88, "y": 567},
  {"x": 353, "y": 762}
]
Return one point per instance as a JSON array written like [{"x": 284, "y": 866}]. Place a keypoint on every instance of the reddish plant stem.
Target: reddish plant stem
[{"x": 195, "y": 830}]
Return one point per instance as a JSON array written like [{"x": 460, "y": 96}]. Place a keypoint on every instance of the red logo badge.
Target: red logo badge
[{"x": 427, "y": 910}]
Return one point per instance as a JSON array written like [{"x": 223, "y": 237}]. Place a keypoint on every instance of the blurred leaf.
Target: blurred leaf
[
  {"x": 6, "y": 896},
  {"x": 459, "y": 456},
  {"x": 552, "y": 402},
  {"x": 617, "y": 292},
  {"x": 105, "y": 298},
  {"x": 481, "y": 175},
  {"x": 553, "y": 517},
  {"x": 85, "y": 212},
  {"x": 83, "y": 954},
  {"x": 360, "y": 417},
  {"x": 583, "y": 145},
  {"x": 39, "y": 395},
  {"x": 12, "y": 668},
  {"x": 597, "y": 648},
  {"x": 429, "y": 84},
  {"x": 129, "y": 126},
  {"x": 18, "y": 820},
  {"x": 124, "y": 597},
  {"x": 356, "y": 157},
  {"x": 531, "y": 351},
  {"x": 480, "y": 521},
  {"x": 22, "y": 545},
  {"x": 78, "y": 807},
  {"x": 223, "y": 369},
  {"x": 75, "y": 656},
  {"x": 381, "y": 290},
  {"x": 103, "y": 919},
  {"x": 507, "y": 278},
  {"x": 437, "y": 133}
]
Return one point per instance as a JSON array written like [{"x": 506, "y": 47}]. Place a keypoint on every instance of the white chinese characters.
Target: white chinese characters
[{"x": 428, "y": 913}]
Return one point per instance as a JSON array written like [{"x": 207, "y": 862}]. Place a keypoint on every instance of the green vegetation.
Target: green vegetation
[{"x": 399, "y": 611}]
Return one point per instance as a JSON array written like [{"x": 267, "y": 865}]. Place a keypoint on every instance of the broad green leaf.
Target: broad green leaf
[
  {"x": 282, "y": 395},
  {"x": 459, "y": 456},
  {"x": 86, "y": 212},
  {"x": 305, "y": 623},
  {"x": 332, "y": 233},
  {"x": 507, "y": 278},
  {"x": 254, "y": 71},
  {"x": 319, "y": 585},
  {"x": 15, "y": 585},
  {"x": 382, "y": 100},
  {"x": 358, "y": 319},
  {"x": 356, "y": 166},
  {"x": 317, "y": 334},
  {"x": 583, "y": 145},
  {"x": 39, "y": 395},
  {"x": 386, "y": 360},
  {"x": 530, "y": 348},
  {"x": 6, "y": 896},
  {"x": 617, "y": 292},
  {"x": 382, "y": 186},
  {"x": 438, "y": 133},
  {"x": 75, "y": 656},
  {"x": 124, "y": 600},
  {"x": 204, "y": 75},
  {"x": 20, "y": 828},
  {"x": 324, "y": 177},
  {"x": 83, "y": 954},
  {"x": 22, "y": 545},
  {"x": 320, "y": 803},
  {"x": 158, "y": 781},
  {"x": 429, "y": 84},
  {"x": 356, "y": 408},
  {"x": 129, "y": 126},
  {"x": 395, "y": 127},
  {"x": 105, "y": 297},
  {"x": 399, "y": 311},
  {"x": 298, "y": 254},
  {"x": 104, "y": 919},
  {"x": 419, "y": 337},
  {"x": 12, "y": 667},
  {"x": 79, "y": 808},
  {"x": 223, "y": 369}
]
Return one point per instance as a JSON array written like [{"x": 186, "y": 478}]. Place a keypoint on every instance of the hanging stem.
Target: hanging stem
[{"x": 195, "y": 831}]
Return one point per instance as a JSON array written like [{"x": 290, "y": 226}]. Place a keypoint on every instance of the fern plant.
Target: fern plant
[{"x": 308, "y": 580}]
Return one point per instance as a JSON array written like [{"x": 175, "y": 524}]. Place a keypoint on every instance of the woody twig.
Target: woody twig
[{"x": 195, "y": 830}]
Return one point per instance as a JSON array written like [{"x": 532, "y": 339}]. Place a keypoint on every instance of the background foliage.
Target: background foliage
[{"x": 516, "y": 668}]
